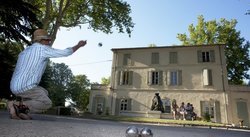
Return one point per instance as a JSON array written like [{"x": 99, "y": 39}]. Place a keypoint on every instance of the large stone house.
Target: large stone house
[{"x": 189, "y": 74}]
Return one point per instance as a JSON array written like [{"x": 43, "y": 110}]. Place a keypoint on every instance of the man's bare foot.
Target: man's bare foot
[
  {"x": 12, "y": 110},
  {"x": 24, "y": 116}
]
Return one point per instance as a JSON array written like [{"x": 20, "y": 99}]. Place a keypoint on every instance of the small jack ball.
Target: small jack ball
[{"x": 100, "y": 44}]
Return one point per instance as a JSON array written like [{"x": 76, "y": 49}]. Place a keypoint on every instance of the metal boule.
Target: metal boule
[
  {"x": 132, "y": 131},
  {"x": 100, "y": 44},
  {"x": 146, "y": 132}
]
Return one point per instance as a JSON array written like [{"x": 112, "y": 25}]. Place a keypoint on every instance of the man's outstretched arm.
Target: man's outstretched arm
[{"x": 80, "y": 44}]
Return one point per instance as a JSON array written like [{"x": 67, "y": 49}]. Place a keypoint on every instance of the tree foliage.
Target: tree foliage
[
  {"x": 79, "y": 91},
  {"x": 152, "y": 45},
  {"x": 100, "y": 15},
  {"x": 105, "y": 81},
  {"x": 17, "y": 20},
  {"x": 8, "y": 55},
  {"x": 57, "y": 80},
  {"x": 222, "y": 32},
  {"x": 248, "y": 12},
  {"x": 61, "y": 84}
]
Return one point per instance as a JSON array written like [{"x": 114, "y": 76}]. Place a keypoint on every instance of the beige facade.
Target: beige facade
[{"x": 190, "y": 74}]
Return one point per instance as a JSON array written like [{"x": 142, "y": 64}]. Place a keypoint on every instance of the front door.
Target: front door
[
  {"x": 98, "y": 105},
  {"x": 242, "y": 112}
]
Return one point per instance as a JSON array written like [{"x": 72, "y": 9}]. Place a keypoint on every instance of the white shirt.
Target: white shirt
[{"x": 31, "y": 65}]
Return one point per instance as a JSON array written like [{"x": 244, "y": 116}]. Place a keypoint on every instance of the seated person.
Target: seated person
[
  {"x": 175, "y": 109},
  {"x": 183, "y": 111}
]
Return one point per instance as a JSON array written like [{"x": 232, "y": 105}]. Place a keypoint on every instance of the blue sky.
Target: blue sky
[{"x": 156, "y": 22}]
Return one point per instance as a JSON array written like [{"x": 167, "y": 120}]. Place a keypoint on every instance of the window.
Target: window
[
  {"x": 173, "y": 57},
  {"x": 205, "y": 56},
  {"x": 125, "y": 77},
  {"x": 155, "y": 77},
  {"x": 167, "y": 105},
  {"x": 174, "y": 77},
  {"x": 207, "y": 77},
  {"x": 155, "y": 58},
  {"x": 125, "y": 104},
  {"x": 207, "y": 107},
  {"x": 127, "y": 59}
]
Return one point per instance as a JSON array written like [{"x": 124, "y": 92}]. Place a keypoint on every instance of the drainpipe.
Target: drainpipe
[
  {"x": 223, "y": 85},
  {"x": 113, "y": 81}
]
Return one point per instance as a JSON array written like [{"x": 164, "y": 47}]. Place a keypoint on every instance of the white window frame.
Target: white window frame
[
  {"x": 124, "y": 104},
  {"x": 174, "y": 77},
  {"x": 155, "y": 77},
  {"x": 208, "y": 107},
  {"x": 125, "y": 77},
  {"x": 206, "y": 56}
]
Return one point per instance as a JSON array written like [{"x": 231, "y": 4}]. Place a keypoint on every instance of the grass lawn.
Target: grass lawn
[{"x": 158, "y": 121}]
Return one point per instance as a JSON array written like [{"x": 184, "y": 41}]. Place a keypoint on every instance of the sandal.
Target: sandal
[
  {"x": 24, "y": 116},
  {"x": 22, "y": 111},
  {"x": 18, "y": 111},
  {"x": 12, "y": 110}
]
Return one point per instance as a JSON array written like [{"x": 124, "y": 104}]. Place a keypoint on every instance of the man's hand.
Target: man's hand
[{"x": 82, "y": 43}]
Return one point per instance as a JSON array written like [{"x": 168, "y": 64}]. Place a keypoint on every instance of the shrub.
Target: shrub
[{"x": 207, "y": 117}]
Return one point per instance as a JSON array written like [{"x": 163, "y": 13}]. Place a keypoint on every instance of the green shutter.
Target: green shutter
[
  {"x": 160, "y": 77},
  {"x": 217, "y": 112},
  {"x": 199, "y": 56},
  {"x": 117, "y": 106},
  {"x": 202, "y": 112},
  {"x": 130, "y": 76},
  {"x": 168, "y": 82},
  {"x": 93, "y": 105},
  {"x": 121, "y": 78},
  {"x": 125, "y": 61},
  {"x": 212, "y": 56},
  {"x": 173, "y": 57},
  {"x": 179, "y": 77},
  {"x": 176, "y": 57},
  {"x": 129, "y": 104},
  {"x": 118, "y": 74},
  {"x": 210, "y": 78},
  {"x": 149, "y": 77},
  {"x": 155, "y": 58}
]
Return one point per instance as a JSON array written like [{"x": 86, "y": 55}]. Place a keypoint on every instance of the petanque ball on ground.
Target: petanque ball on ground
[
  {"x": 146, "y": 132},
  {"x": 132, "y": 131}
]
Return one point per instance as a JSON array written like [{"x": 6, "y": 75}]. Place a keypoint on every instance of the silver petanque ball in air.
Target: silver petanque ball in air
[
  {"x": 100, "y": 44},
  {"x": 132, "y": 131},
  {"x": 146, "y": 132}
]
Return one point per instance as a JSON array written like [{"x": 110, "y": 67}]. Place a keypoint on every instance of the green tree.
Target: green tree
[
  {"x": 79, "y": 89},
  {"x": 223, "y": 32},
  {"x": 100, "y": 15},
  {"x": 60, "y": 77},
  {"x": 17, "y": 20},
  {"x": 248, "y": 12},
  {"x": 105, "y": 81},
  {"x": 8, "y": 55},
  {"x": 152, "y": 45}
]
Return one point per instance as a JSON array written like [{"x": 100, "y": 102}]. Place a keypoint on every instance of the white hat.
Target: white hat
[{"x": 40, "y": 34}]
